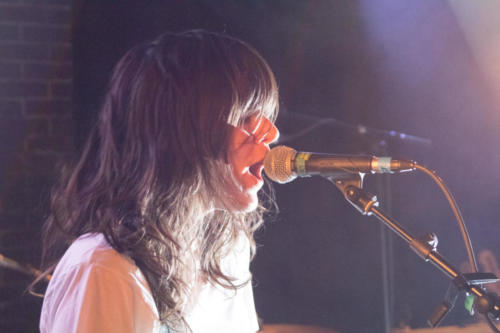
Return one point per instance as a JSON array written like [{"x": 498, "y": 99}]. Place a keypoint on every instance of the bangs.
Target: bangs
[{"x": 254, "y": 88}]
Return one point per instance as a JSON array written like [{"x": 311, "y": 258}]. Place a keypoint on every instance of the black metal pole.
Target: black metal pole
[{"x": 367, "y": 204}]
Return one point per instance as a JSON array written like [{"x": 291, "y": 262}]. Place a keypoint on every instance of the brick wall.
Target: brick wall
[{"x": 36, "y": 131}]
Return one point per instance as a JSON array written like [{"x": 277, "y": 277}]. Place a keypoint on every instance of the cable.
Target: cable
[
  {"x": 456, "y": 212},
  {"x": 463, "y": 228}
]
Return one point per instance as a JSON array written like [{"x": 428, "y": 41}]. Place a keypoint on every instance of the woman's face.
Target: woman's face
[{"x": 248, "y": 145}]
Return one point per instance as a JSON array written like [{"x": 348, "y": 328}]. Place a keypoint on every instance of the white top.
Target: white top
[{"x": 96, "y": 289}]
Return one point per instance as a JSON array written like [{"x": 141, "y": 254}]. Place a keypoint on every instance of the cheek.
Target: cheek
[{"x": 238, "y": 159}]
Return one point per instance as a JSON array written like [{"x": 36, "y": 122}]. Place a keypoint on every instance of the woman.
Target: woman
[{"x": 152, "y": 228}]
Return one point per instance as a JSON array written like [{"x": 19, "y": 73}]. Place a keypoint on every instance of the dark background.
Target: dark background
[{"x": 396, "y": 65}]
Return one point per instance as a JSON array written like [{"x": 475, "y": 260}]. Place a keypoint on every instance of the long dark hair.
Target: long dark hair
[{"x": 154, "y": 165}]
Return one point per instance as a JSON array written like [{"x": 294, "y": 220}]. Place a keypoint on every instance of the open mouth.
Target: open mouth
[{"x": 256, "y": 170}]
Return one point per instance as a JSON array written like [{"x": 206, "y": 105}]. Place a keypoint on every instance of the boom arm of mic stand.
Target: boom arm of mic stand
[{"x": 367, "y": 204}]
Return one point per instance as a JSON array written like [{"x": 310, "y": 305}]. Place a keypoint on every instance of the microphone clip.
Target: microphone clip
[{"x": 350, "y": 185}]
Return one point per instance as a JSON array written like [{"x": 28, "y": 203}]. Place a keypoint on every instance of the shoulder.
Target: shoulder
[
  {"x": 91, "y": 251},
  {"x": 92, "y": 275},
  {"x": 90, "y": 258}
]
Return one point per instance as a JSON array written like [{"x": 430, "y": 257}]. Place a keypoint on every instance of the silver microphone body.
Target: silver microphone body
[{"x": 283, "y": 164}]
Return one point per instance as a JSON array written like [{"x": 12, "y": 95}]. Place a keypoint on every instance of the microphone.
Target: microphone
[{"x": 283, "y": 164}]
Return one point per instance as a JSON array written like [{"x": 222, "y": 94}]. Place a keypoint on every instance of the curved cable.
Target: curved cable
[
  {"x": 463, "y": 228},
  {"x": 456, "y": 212}
]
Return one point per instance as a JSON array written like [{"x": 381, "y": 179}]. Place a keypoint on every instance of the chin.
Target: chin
[{"x": 245, "y": 203}]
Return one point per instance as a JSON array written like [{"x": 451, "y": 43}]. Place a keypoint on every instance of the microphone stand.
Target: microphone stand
[
  {"x": 383, "y": 186},
  {"x": 14, "y": 265},
  {"x": 426, "y": 248}
]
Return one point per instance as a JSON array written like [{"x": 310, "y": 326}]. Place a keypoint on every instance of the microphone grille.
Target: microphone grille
[{"x": 278, "y": 164}]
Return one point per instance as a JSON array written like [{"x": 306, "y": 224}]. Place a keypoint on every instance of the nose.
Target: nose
[{"x": 272, "y": 135}]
